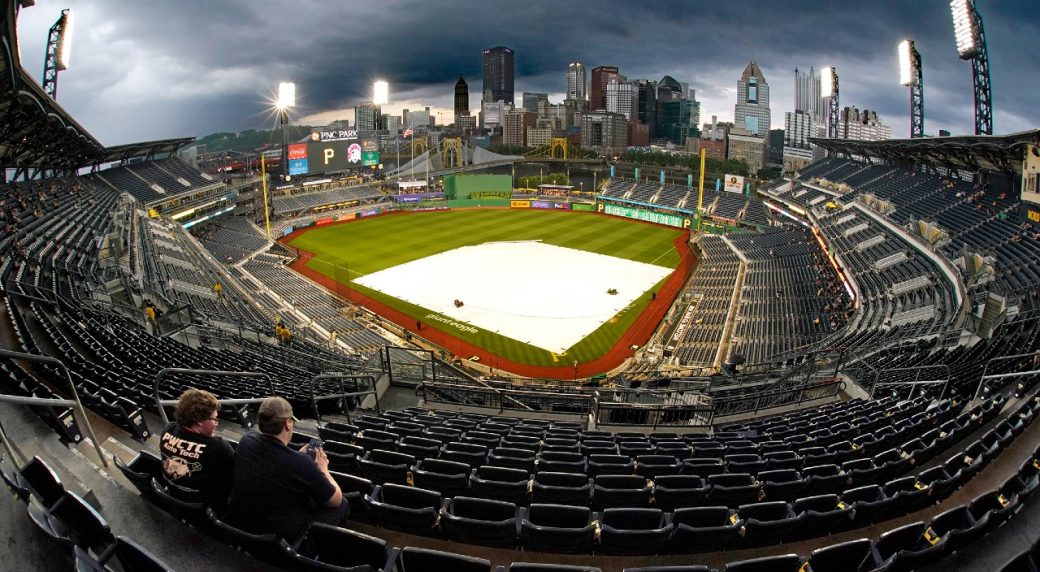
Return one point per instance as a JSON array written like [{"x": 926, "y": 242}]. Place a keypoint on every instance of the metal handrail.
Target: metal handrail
[
  {"x": 74, "y": 402},
  {"x": 160, "y": 402},
  {"x": 985, "y": 369},
  {"x": 916, "y": 381},
  {"x": 342, "y": 392}
]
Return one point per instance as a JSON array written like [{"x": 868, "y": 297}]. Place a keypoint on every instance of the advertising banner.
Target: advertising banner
[
  {"x": 343, "y": 217},
  {"x": 734, "y": 184},
  {"x": 369, "y": 158},
  {"x": 334, "y": 135},
  {"x": 648, "y": 216},
  {"x": 520, "y": 204},
  {"x": 369, "y": 145},
  {"x": 324, "y": 221},
  {"x": 550, "y": 205},
  {"x": 298, "y": 159}
]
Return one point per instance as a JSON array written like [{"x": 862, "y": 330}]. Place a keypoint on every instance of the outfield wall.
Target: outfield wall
[{"x": 478, "y": 186}]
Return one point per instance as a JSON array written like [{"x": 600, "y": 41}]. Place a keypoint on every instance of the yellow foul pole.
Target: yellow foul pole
[{"x": 267, "y": 211}]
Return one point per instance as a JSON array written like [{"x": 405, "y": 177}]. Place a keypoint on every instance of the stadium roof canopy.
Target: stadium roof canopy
[
  {"x": 971, "y": 152},
  {"x": 36, "y": 134}
]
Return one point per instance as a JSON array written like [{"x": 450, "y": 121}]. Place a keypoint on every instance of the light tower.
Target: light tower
[
  {"x": 829, "y": 90},
  {"x": 910, "y": 74},
  {"x": 286, "y": 100},
  {"x": 971, "y": 45},
  {"x": 59, "y": 50},
  {"x": 380, "y": 93}
]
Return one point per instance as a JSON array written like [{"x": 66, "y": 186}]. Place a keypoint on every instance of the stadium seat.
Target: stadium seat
[
  {"x": 386, "y": 466},
  {"x": 558, "y": 528},
  {"x": 123, "y": 554},
  {"x": 343, "y": 457},
  {"x": 423, "y": 560},
  {"x": 703, "y": 467},
  {"x": 869, "y": 505},
  {"x": 679, "y": 491},
  {"x": 518, "y": 441},
  {"x": 633, "y": 531},
  {"x": 667, "y": 568},
  {"x": 823, "y": 515},
  {"x": 781, "y": 484},
  {"x": 469, "y": 453},
  {"x": 142, "y": 469},
  {"x": 768, "y": 523},
  {"x": 184, "y": 504},
  {"x": 782, "y": 563},
  {"x": 500, "y": 483},
  {"x": 992, "y": 509},
  {"x": 513, "y": 458},
  {"x": 71, "y": 522},
  {"x": 268, "y": 547},
  {"x": 550, "y": 487},
  {"x": 850, "y": 556},
  {"x": 375, "y": 439},
  {"x": 449, "y": 478},
  {"x": 909, "y": 547},
  {"x": 404, "y": 508},
  {"x": 704, "y": 529},
  {"x": 610, "y": 465},
  {"x": 481, "y": 521},
  {"x": 653, "y": 466},
  {"x": 958, "y": 527},
  {"x": 419, "y": 447},
  {"x": 825, "y": 479},
  {"x": 617, "y": 491},
  {"x": 732, "y": 489},
  {"x": 333, "y": 546},
  {"x": 354, "y": 489},
  {"x": 36, "y": 479},
  {"x": 556, "y": 462},
  {"x": 907, "y": 494}
]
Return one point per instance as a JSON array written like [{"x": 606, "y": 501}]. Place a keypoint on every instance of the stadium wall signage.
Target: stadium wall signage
[
  {"x": 334, "y": 135},
  {"x": 448, "y": 321}
]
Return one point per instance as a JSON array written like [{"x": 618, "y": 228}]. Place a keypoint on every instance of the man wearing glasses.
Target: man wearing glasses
[
  {"x": 193, "y": 456},
  {"x": 277, "y": 488}
]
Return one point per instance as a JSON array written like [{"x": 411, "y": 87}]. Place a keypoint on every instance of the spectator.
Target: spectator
[
  {"x": 278, "y": 489},
  {"x": 193, "y": 456}
]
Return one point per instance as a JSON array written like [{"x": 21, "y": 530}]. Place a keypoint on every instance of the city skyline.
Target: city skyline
[{"x": 145, "y": 71}]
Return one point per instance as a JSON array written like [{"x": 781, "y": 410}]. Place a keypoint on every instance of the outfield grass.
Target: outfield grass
[{"x": 366, "y": 246}]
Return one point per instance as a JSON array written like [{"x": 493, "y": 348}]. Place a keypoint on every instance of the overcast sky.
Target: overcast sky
[{"x": 152, "y": 69}]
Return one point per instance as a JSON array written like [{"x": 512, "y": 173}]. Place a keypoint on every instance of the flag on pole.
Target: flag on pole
[{"x": 408, "y": 132}]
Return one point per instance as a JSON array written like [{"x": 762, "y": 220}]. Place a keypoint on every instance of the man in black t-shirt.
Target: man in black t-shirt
[
  {"x": 278, "y": 489},
  {"x": 193, "y": 457}
]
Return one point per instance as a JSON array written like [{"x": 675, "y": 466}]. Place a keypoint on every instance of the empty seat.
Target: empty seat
[
  {"x": 869, "y": 504},
  {"x": 71, "y": 522},
  {"x": 36, "y": 478},
  {"x": 851, "y": 556},
  {"x": 704, "y": 529},
  {"x": 825, "y": 479},
  {"x": 481, "y": 521},
  {"x": 354, "y": 489},
  {"x": 513, "y": 458},
  {"x": 335, "y": 546},
  {"x": 768, "y": 522},
  {"x": 732, "y": 489},
  {"x": 907, "y": 495},
  {"x": 633, "y": 531},
  {"x": 386, "y": 466},
  {"x": 992, "y": 509},
  {"x": 343, "y": 457},
  {"x": 375, "y": 439},
  {"x": 782, "y": 563},
  {"x": 653, "y": 466},
  {"x": 958, "y": 526},
  {"x": 703, "y": 467},
  {"x": 558, "y": 528},
  {"x": 141, "y": 470},
  {"x": 419, "y": 447},
  {"x": 472, "y": 454},
  {"x": 123, "y": 554},
  {"x": 500, "y": 483},
  {"x": 620, "y": 491},
  {"x": 446, "y": 477},
  {"x": 268, "y": 547},
  {"x": 907, "y": 548},
  {"x": 610, "y": 465},
  {"x": 679, "y": 491},
  {"x": 823, "y": 515},
  {"x": 404, "y": 508},
  {"x": 423, "y": 560},
  {"x": 781, "y": 484},
  {"x": 561, "y": 488},
  {"x": 561, "y": 462}
]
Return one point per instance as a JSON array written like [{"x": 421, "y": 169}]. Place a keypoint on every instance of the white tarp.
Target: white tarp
[{"x": 544, "y": 295}]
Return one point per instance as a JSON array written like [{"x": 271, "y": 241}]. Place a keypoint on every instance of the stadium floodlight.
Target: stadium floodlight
[
  {"x": 65, "y": 41},
  {"x": 827, "y": 82},
  {"x": 58, "y": 53},
  {"x": 965, "y": 30},
  {"x": 286, "y": 95},
  {"x": 380, "y": 93},
  {"x": 906, "y": 72},
  {"x": 971, "y": 45},
  {"x": 910, "y": 74}
]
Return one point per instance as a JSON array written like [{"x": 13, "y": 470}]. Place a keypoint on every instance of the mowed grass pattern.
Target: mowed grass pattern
[{"x": 367, "y": 246}]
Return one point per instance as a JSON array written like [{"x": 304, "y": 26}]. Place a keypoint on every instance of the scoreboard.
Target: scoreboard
[{"x": 324, "y": 156}]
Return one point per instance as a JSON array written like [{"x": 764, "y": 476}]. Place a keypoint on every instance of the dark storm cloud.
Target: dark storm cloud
[{"x": 144, "y": 70}]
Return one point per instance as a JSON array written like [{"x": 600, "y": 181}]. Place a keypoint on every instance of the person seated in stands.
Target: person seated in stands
[
  {"x": 278, "y": 489},
  {"x": 193, "y": 456}
]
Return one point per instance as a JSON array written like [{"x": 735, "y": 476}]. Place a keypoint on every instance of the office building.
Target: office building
[
  {"x": 604, "y": 132},
  {"x": 746, "y": 146},
  {"x": 461, "y": 98},
  {"x": 368, "y": 117},
  {"x": 576, "y": 82},
  {"x": 863, "y": 125},
  {"x": 532, "y": 99},
  {"x": 518, "y": 121},
  {"x": 498, "y": 75},
  {"x": 647, "y": 112},
  {"x": 623, "y": 98},
  {"x": 601, "y": 76},
  {"x": 807, "y": 95},
  {"x": 752, "y": 109}
]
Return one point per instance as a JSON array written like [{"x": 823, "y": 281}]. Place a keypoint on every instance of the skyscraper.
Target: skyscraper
[
  {"x": 622, "y": 97},
  {"x": 601, "y": 76},
  {"x": 461, "y": 97},
  {"x": 498, "y": 75},
  {"x": 752, "y": 109},
  {"x": 647, "y": 114},
  {"x": 807, "y": 94},
  {"x": 576, "y": 81}
]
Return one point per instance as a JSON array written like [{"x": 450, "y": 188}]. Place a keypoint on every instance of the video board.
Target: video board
[{"x": 325, "y": 156}]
